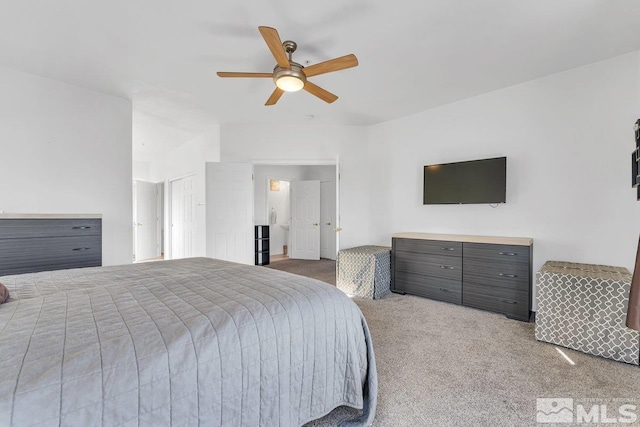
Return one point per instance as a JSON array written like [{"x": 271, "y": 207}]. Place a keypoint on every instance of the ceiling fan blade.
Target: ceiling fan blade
[
  {"x": 275, "y": 96},
  {"x": 336, "y": 64},
  {"x": 270, "y": 35},
  {"x": 319, "y": 92},
  {"x": 232, "y": 74}
]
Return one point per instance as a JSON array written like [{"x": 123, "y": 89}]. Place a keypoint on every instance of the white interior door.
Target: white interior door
[
  {"x": 327, "y": 220},
  {"x": 183, "y": 217},
  {"x": 305, "y": 220},
  {"x": 230, "y": 211},
  {"x": 145, "y": 221}
]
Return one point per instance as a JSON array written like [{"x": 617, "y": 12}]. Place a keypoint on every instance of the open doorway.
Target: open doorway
[
  {"x": 279, "y": 217},
  {"x": 273, "y": 206}
]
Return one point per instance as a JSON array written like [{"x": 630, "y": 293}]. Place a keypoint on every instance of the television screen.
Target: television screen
[{"x": 476, "y": 181}]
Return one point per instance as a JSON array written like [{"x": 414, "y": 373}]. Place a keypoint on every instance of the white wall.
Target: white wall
[
  {"x": 188, "y": 159},
  {"x": 141, "y": 171},
  {"x": 567, "y": 138},
  {"x": 64, "y": 149},
  {"x": 245, "y": 143}
]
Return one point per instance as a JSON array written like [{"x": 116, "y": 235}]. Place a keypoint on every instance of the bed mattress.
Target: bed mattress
[{"x": 187, "y": 342}]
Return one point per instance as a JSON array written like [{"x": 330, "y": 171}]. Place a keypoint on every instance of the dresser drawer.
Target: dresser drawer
[
  {"x": 426, "y": 286},
  {"x": 511, "y": 308},
  {"x": 497, "y": 253},
  {"x": 31, "y": 228},
  {"x": 53, "y": 253},
  {"x": 501, "y": 274},
  {"x": 498, "y": 292},
  {"x": 430, "y": 247},
  {"x": 446, "y": 267}
]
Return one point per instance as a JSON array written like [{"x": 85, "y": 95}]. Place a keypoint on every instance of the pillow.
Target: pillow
[{"x": 4, "y": 293}]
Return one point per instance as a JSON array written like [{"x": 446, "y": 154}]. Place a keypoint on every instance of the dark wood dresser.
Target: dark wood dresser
[
  {"x": 490, "y": 273},
  {"x": 30, "y": 243}
]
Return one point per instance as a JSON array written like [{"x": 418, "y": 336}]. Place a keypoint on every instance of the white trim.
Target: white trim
[{"x": 295, "y": 162}]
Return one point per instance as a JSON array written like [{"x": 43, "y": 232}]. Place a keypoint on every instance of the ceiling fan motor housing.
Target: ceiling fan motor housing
[{"x": 282, "y": 75}]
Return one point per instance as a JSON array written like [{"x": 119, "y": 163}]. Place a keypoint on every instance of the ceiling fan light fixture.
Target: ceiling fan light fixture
[
  {"x": 289, "y": 83},
  {"x": 290, "y": 76},
  {"x": 290, "y": 80}
]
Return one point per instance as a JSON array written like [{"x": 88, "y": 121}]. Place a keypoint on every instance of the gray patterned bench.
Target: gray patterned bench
[
  {"x": 364, "y": 271},
  {"x": 583, "y": 307}
]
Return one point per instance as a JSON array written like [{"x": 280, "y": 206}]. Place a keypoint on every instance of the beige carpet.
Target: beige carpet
[
  {"x": 444, "y": 365},
  {"x": 324, "y": 270}
]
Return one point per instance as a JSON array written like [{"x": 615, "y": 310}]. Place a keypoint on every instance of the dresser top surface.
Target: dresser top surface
[
  {"x": 49, "y": 216},
  {"x": 519, "y": 241}
]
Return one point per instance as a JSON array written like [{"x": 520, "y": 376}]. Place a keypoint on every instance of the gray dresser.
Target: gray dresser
[
  {"x": 32, "y": 243},
  {"x": 490, "y": 273}
]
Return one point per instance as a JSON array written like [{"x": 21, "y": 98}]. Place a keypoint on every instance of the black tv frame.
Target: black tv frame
[{"x": 468, "y": 201}]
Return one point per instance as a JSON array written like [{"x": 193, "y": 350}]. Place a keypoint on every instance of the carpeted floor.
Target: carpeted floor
[
  {"x": 444, "y": 365},
  {"x": 324, "y": 270}
]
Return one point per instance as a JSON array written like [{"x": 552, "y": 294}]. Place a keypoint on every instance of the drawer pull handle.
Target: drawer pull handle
[
  {"x": 446, "y": 267},
  {"x": 446, "y": 290},
  {"x": 513, "y": 276},
  {"x": 448, "y": 249},
  {"x": 81, "y": 227},
  {"x": 508, "y": 301},
  {"x": 80, "y": 249},
  {"x": 508, "y": 253}
]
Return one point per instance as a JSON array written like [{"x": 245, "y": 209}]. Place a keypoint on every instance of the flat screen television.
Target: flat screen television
[{"x": 476, "y": 181}]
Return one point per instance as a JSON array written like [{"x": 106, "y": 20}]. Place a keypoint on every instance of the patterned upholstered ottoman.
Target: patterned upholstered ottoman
[
  {"x": 365, "y": 271},
  {"x": 583, "y": 307}
]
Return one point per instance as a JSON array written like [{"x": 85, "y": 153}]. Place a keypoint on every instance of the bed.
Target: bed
[{"x": 186, "y": 342}]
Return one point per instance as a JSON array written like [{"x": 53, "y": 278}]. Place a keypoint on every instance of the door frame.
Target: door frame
[
  {"x": 168, "y": 213},
  {"x": 327, "y": 162}
]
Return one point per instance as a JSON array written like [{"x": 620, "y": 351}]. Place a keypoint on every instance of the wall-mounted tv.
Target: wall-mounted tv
[{"x": 476, "y": 181}]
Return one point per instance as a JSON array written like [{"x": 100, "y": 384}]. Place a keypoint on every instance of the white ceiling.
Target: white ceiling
[{"x": 413, "y": 54}]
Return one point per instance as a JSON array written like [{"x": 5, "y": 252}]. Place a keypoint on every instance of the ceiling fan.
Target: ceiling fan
[{"x": 290, "y": 76}]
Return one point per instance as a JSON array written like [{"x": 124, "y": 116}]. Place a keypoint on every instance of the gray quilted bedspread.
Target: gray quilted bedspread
[{"x": 187, "y": 342}]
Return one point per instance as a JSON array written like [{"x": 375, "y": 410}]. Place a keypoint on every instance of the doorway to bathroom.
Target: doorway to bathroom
[
  {"x": 299, "y": 203},
  {"x": 279, "y": 215}
]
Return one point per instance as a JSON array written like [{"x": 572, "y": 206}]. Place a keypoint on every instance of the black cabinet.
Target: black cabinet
[
  {"x": 262, "y": 245},
  {"x": 490, "y": 276}
]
